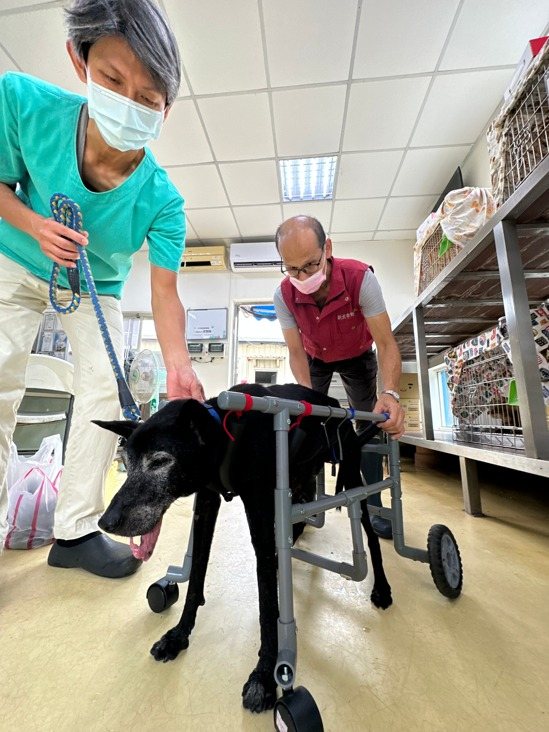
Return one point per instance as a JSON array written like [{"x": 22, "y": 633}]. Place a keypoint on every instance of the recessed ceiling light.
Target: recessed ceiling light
[{"x": 308, "y": 179}]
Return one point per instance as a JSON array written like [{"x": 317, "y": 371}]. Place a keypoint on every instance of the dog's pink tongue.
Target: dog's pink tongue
[{"x": 144, "y": 550}]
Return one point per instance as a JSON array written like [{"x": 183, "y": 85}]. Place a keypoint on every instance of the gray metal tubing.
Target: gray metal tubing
[
  {"x": 356, "y": 571},
  {"x": 287, "y": 643},
  {"x": 182, "y": 574},
  {"x": 300, "y": 511},
  {"x": 273, "y": 405},
  {"x": 419, "y": 555}
]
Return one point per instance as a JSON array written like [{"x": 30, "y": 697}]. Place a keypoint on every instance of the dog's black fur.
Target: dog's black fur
[{"x": 179, "y": 451}]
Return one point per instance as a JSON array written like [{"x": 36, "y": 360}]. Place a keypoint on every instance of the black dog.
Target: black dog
[{"x": 182, "y": 450}]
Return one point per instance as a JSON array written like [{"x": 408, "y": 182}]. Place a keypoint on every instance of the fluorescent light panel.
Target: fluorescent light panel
[{"x": 308, "y": 179}]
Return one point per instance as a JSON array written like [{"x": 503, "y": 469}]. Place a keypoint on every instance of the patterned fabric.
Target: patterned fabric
[{"x": 492, "y": 352}]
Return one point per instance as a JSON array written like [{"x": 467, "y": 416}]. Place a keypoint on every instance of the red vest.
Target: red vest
[{"x": 338, "y": 331}]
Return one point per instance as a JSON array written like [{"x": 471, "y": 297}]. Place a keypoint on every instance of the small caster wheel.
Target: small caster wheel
[
  {"x": 445, "y": 561},
  {"x": 296, "y": 711},
  {"x": 162, "y": 594}
]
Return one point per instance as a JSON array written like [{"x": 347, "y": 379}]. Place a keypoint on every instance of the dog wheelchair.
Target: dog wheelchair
[{"x": 296, "y": 710}]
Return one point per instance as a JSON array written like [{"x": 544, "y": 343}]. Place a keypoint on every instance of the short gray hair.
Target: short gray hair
[{"x": 142, "y": 25}]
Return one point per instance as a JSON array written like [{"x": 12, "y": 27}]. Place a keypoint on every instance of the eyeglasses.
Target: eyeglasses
[{"x": 309, "y": 269}]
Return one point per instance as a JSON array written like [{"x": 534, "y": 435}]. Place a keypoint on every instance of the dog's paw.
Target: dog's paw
[
  {"x": 259, "y": 694},
  {"x": 381, "y": 597},
  {"x": 169, "y": 646}
]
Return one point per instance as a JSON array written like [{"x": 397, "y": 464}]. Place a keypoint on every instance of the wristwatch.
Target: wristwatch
[{"x": 392, "y": 393}]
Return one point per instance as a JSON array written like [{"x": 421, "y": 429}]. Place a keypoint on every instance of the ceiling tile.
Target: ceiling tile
[
  {"x": 355, "y": 216},
  {"x": 396, "y": 235},
  {"x": 22, "y": 34},
  {"x": 308, "y": 121},
  {"x": 406, "y": 213},
  {"x": 367, "y": 175},
  {"x": 239, "y": 126},
  {"x": 252, "y": 182},
  {"x": 382, "y": 114},
  {"x": 220, "y": 44},
  {"x": 429, "y": 170},
  {"x": 319, "y": 210},
  {"x": 182, "y": 140},
  {"x": 396, "y": 38},
  {"x": 449, "y": 117},
  {"x": 199, "y": 185},
  {"x": 494, "y": 32},
  {"x": 18, "y": 4},
  {"x": 6, "y": 64},
  {"x": 258, "y": 221},
  {"x": 213, "y": 223},
  {"x": 352, "y": 236},
  {"x": 309, "y": 41}
]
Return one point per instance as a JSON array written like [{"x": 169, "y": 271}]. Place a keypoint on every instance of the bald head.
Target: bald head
[{"x": 298, "y": 225}]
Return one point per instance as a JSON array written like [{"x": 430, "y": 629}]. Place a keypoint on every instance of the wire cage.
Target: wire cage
[
  {"x": 518, "y": 139},
  {"x": 482, "y": 413},
  {"x": 431, "y": 264}
]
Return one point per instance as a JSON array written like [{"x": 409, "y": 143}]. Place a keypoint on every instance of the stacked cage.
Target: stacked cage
[
  {"x": 518, "y": 138},
  {"x": 431, "y": 262},
  {"x": 481, "y": 381}
]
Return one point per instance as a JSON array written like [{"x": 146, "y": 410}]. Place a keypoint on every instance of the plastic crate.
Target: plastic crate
[{"x": 518, "y": 138}]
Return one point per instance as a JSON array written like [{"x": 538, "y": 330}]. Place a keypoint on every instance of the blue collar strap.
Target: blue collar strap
[{"x": 212, "y": 411}]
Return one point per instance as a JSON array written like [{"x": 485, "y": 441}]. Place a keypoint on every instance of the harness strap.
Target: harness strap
[
  {"x": 67, "y": 212},
  {"x": 249, "y": 402},
  {"x": 307, "y": 411}
]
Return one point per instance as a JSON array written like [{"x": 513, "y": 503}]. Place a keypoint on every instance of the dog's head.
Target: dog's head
[{"x": 172, "y": 454}]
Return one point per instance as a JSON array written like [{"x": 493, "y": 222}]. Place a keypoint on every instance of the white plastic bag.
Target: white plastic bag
[{"x": 33, "y": 485}]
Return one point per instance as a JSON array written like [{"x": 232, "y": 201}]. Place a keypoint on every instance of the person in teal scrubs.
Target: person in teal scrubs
[{"x": 94, "y": 150}]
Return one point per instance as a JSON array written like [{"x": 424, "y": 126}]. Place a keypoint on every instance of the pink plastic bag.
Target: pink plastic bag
[{"x": 33, "y": 485}]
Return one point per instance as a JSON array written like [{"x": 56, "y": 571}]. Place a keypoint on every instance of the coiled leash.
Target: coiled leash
[{"x": 67, "y": 212}]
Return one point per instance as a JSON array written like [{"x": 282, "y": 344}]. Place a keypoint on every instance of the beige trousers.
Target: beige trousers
[{"x": 90, "y": 449}]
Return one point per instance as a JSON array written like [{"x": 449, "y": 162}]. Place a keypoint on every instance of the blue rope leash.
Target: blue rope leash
[{"x": 67, "y": 212}]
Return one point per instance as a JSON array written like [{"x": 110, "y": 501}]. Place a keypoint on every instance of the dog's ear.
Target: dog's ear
[{"x": 123, "y": 427}]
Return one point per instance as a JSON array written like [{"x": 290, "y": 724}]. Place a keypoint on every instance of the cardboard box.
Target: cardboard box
[
  {"x": 413, "y": 425},
  {"x": 408, "y": 387},
  {"x": 533, "y": 47},
  {"x": 410, "y": 406}
]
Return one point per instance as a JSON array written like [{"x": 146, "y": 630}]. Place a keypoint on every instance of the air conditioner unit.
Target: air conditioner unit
[
  {"x": 255, "y": 257},
  {"x": 202, "y": 259}
]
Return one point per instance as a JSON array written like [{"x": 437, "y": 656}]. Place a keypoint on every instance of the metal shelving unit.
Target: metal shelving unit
[{"x": 504, "y": 271}]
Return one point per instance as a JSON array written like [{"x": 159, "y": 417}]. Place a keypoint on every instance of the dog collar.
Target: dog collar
[{"x": 213, "y": 413}]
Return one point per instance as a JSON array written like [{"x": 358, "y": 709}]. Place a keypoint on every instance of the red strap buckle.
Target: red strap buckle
[
  {"x": 307, "y": 411},
  {"x": 248, "y": 404}
]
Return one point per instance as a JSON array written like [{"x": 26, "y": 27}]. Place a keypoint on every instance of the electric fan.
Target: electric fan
[{"x": 144, "y": 379}]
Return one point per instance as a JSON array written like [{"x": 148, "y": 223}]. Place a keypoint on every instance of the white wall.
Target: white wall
[
  {"x": 476, "y": 168},
  {"x": 392, "y": 262}
]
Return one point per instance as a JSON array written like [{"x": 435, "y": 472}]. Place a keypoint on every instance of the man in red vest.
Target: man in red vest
[{"x": 331, "y": 311}]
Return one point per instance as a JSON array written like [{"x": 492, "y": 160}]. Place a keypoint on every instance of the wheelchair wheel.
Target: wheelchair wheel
[
  {"x": 162, "y": 594},
  {"x": 296, "y": 711},
  {"x": 445, "y": 561}
]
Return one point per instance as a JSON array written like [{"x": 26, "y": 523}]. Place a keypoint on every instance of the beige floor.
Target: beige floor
[{"x": 74, "y": 648}]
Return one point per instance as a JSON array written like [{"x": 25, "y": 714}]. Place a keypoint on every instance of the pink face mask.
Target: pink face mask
[{"x": 311, "y": 284}]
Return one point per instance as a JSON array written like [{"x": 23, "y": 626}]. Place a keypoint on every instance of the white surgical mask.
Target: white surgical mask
[{"x": 123, "y": 124}]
